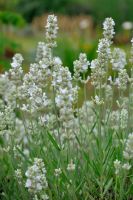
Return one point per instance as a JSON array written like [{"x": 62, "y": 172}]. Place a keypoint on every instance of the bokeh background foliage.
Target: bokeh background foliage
[
  {"x": 22, "y": 25},
  {"x": 120, "y": 10}
]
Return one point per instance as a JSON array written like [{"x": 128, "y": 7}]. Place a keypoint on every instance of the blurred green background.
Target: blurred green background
[{"x": 22, "y": 25}]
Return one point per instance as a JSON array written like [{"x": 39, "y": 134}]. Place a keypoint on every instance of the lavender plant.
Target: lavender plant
[{"x": 50, "y": 148}]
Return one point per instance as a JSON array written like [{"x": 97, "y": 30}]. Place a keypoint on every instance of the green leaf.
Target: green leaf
[
  {"x": 108, "y": 186},
  {"x": 64, "y": 176},
  {"x": 53, "y": 141}
]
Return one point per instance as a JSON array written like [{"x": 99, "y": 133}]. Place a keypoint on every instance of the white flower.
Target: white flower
[
  {"x": 57, "y": 61},
  {"x": 28, "y": 183},
  {"x": 39, "y": 186},
  {"x": 2, "y": 121},
  {"x": 100, "y": 65},
  {"x": 80, "y": 66},
  {"x": 17, "y": 60},
  {"x": 117, "y": 165},
  {"x": 18, "y": 175},
  {"x": 123, "y": 118},
  {"x": 16, "y": 72},
  {"x": 36, "y": 182},
  {"x": 71, "y": 166},
  {"x": 94, "y": 64},
  {"x": 58, "y": 172},
  {"x": 51, "y": 30},
  {"x": 126, "y": 166},
  {"x": 122, "y": 79},
  {"x": 108, "y": 27},
  {"x": 41, "y": 51},
  {"x": 64, "y": 99},
  {"x": 103, "y": 51},
  {"x": 118, "y": 59},
  {"x": 97, "y": 100},
  {"x": 128, "y": 152}
]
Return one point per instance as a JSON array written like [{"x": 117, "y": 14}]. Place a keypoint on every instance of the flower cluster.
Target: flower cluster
[
  {"x": 81, "y": 67},
  {"x": 71, "y": 166},
  {"x": 123, "y": 118},
  {"x": 108, "y": 27},
  {"x": 58, "y": 172},
  {"x": 128, "y": 152},
  {"x": 7, "y": 120},
  {"x": 98, "y": 101},
  {"x": 117, "y": 165},
  {"x": 128, "y": 156},
  {"x": 118, "y": 59},
  {"x": 51, "y": 30},
  {"x": 99, "y": 65},
  {"x": 123, "y": 79},
  {"x": 64, "y": 99},
  {"x": 37, "y": 100},
  {"x": 86, "y": 114},
  {"x": 97, "y": 73},
  {"x": 18, "y": 175},
  {"x": 41, "y": 51},
  {"x": 36, "y": 182},
  {"x": 119, "y": 119},
  {"x": 104, "y": 52},
  {"x": 16, "y": 72}
]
